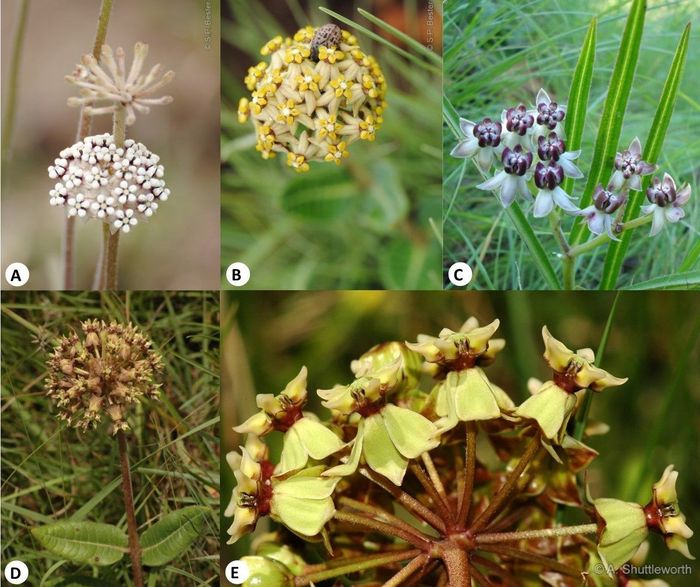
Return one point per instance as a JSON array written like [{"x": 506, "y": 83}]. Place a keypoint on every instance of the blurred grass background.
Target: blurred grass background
[
  {"x": 387, "y": 194},
  {"x": 654, "y": 417},
  {"x": 499, "y": 54},
  {"x": 52, "y": 473},
  {"x": 179, "y": 247}
]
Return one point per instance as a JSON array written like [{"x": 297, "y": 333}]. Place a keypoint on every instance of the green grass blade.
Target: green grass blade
[
  {"x": 578, "y": 96},
  {"x": 533, "y": 244},
  {"x": 614, "y": 110},
  {"x": 374, "y": 36},
  {"x": 652, "y": 150},
  {"x": 418, "y": 47},
  {"x": 676, "y": 281},
  {"x": 691, "y": 258}
]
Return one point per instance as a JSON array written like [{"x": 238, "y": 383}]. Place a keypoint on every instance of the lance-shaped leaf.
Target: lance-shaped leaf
[
  {"x": 172, "y": 535},
  {"x": 84, "y": 542},
  {"x": 608, "y": 138},
  {"x": 652, "y": 150}
]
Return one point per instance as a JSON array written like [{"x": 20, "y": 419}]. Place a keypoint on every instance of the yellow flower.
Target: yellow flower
[
  {"x": 257, "y": 103},
  {"x": 243, "y": 110},
  {"x": 254, "y": 74},
  {"x": 272, "y": 45},
  {"x": 330, "y": 54},
  {"x": 287, "y": 111},
  {"x": 342, "y": 87},
  {"x": 328, "y": 127},
  {"x": 308, "y": 80},
  {"x": 304, "y": 35},
  {"x": 337, "y": 153},
  {"x": 298, "y": 162},
  {"x": 296, "y": 54},
  {"x": 368, "y": 129},
  {"x": 369, "y": 86},
  {"x": 359, "y": 57},
  {"x": 349, "y": 38}
]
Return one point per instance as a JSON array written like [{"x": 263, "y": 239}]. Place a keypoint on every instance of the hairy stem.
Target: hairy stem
[
  {"x": 431, "y": 490},
  {"x": 353, "y": 565},
  {"x": 84, "y": 121},
  {"x": 535, "y": 534},
  {"x": 479, "y": 577},
  {"x": 414, "y": 538},
  {"x": 100, "y": 277},
  {"x": 518, "y": 554},
  {"x": 407, "y": 571},
  {"x": 112, "y": 253},
  {"x": 434, "y": 477},
  {"x": 410, "y": 503},
  {"x": 457, "y": 564},
  {"x": 508, "y": 487},
  {"x": 469, "y": 469},
  {"x": 378, "y": 513},
  {"x": 134, "y": 548}
]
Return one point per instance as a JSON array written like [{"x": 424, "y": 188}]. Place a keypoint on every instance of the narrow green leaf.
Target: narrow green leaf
[
  {"x": 675, "y": 281},
  {"x": 83, "y": 542},
  {"x": 613, "y": 110},
  {"x": 172, "y": 535},
  {"x": 652, "y": 150},
  {"x": 691, "y": 258},
  {"x": 533, "y": 244},
  {"x": 577, "y": 103}
]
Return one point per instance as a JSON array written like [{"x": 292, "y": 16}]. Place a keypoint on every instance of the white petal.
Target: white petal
[
  {"x": 649, "y": 209},
  {"x": 683, "y": 195},
  {"x": 571, "y": 155},
  {"x": 523, "y": 188},
  {"x": 467, "y": 126},
  {"x": 563, "y": 200},
  {"x": 596, "y": 222},
  {"x": 543, "y": 204},
  {"x": 509, "y": 189},
  {"x": 484, "y": 158},
  {"x": 466, "y": 148},
  {"x": 658, "y": 222},
  {"x": 635, "y": 183},
  {"x": 609, "y": 221},
  {"x": 617, "y": 180},
  {"x": 494, "y": 182},
  {"x": 542, "y": 96},
  {"x": 674, "y": 213},
  {"x": 570, "y": 170},
  {"x": 635, "y": 146}
]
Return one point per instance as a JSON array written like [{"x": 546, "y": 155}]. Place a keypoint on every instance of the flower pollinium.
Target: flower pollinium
[
  {"x": 106, "y": 85},
  {"x": 102, "y": 370},
  {"x": 117, "y": 185},
  {"x": 316, "y": 95}
]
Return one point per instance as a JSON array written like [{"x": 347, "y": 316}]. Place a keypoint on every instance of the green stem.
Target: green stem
[
  {"x": 531, "y": 557},
  {"x": 569, "y": 273},
  {"x": 414, "y": 538},
  {"x": 8, "y": 124},
  {"x": 134, "y": 548},
  {"x": 601, "y": 239},
  {"x": 508, "y": 487},
  {"x": 469, "y": 470},
  {"x": 407, "y": 571},
  {"x": 535, "y": 534},
  {"x": 102, "y": 24},
  {"x": 354, "y": 565}
]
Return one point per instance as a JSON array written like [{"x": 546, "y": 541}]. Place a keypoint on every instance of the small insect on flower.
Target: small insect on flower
[{"x": 329, "y": 36}]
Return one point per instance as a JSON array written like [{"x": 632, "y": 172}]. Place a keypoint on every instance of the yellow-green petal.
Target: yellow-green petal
[
  {"x": 351, "y": 465},
  {"x": 318, "y": 440},
  {"x": 380, "y": 453},
  {"x": 551, "y": 407},
  {"x": 411, "y": 433},
  {"x": 625, "y": 529}
]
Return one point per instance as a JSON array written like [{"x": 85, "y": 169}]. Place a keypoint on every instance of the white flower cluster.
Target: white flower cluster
[{"x": 97, "y": 179}]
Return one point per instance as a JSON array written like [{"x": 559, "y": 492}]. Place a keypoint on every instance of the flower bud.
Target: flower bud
[{"x": 267, "y": 572}]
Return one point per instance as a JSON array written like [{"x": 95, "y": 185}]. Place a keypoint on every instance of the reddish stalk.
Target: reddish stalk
[
  {"x": 134, "y": 547},
  {"x": 469, "y": 470},
  {"x": 434, "y": 476},
  {"x": 531, "y": 557},
  {"x": 457, "y": 564},
  {"x": 407, "y": 571},
  {"x": 378, "y": 512},
  {"x": 415, "y": 538},
  {"x": 497, "y": 537},
  {"x": 440, "y": 504},
  {"x": 424, "y": 572}
]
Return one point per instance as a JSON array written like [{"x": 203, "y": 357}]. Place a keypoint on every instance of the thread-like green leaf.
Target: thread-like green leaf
[
  {"x": 676, "y": 281},
  {"x": 83, "y": 542},
  {"x": 613, "y": 111},
  {"x": 652, "y": 150},
  {"x": 322, "y": 197},
  {"x": 691, "y": 258},
  {"x": 533, "y": 244},
  {"x": 577, "y": 103},
  {"x": 172, "y": 535}
]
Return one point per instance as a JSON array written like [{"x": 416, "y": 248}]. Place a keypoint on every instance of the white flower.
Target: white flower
[
  {"x": 97, "y": 178},
  {"x": 547, "y": 178},
  {"x": 548, "y": 115},
  {"x": 514, "y": 177},
  {"x": 629, "y": 167},
  {"x": 518, "y": 126},
  {"x": 481, "y": 141},
  {"x": 553, "y": 148},
  {"x": 666, "y": 202},
  {"x": 600, "y": 215}
]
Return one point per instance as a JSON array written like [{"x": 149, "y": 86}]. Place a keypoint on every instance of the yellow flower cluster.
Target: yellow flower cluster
[{"x": 313, "y": 99}]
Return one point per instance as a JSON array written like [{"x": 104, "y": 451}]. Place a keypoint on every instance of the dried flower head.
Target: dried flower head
[
  {"x": 106, "y": 85},
  {"x": 102, "y": 370},
  {"x": 97, "y": 179},
  {"x": 318, "y": 94}
]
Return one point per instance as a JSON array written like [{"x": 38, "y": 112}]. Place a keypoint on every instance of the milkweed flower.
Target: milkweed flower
[
  {"x": 117, "y": 185},
  {"x": 513, "y": 179},
  {"x": 518, "y": 126},
  {"x": 481, "y": 142},
  {"x": 315, "y": 95},
  {"x": 107, "y": 85},
  {"x": 553, "y": 148},
  {"x": 600, "y": 215},
  {"x": 548, "y": 115},
  {"x": 548, "y": 177},
  {"x": 102, "y": 371},
  {"x": 667, "y": 202},
  {"x": 629, "y": 167}
]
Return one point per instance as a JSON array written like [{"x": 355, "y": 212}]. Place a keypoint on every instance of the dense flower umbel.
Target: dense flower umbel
[
  {"x": 417, "y": 489},
  {"x": 116, "y": 185},
  {"x": 316, "y": 96},
  {"x": 102, "y": 371},
  {"x": 107, "y": 85}
]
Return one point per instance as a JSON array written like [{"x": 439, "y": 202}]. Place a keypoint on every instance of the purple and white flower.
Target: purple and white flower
[
  {"x": 518, "y": 123},
  {"x": 666, "y": 202},
  {"x": 548, "y": 177},
  {"x": 548, "y": 115},
  {"x": 513, "y": 179},
  {"x": 481, "y": 141},
  {"x": 553, "y": 148},
  {"x": 629, "y": 167},
  {"x": 600, "y": 215}
]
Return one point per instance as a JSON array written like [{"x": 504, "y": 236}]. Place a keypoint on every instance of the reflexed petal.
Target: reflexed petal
[
  {"x": 596, "y": 222},
  {"x": 509, "y": 189},
  {"x": 674, "y": 214},
  {"x": 635, "y": 183},
  {"x": 570, "y": 170},
  {"x": 494, "y": 182},
  {"x": 258, "y": 424},
  {"x": 306, "y": 485},
  {"x": 659, "y": 220},
  {"x": 683, "y": 195},
  {"x": 294, "y": 455},
  {"x": 648, "y": 209},
  {"x": 318, "y": 441},
  {"x": 380, "y": 453},
  {"x": 551, "y": 407},
  {"x": 542, "y": 96},
  {"x": 544, "y": 203},
  {"x": 484, "y": 158},
  {"x": 467, "y": 127},
  {"x": 635, "y": 147},
  {"x": 617, "y": 180},
  {"x": 303, "y": 516},
  {"x": 411, "y": 433},
  {"x": 625, "y": 529},
  {"x": 523, "y": 188},
  {"x": 563, "y": 200},
  {"x": 473, "y": 397},
  {"x": 353, "y": 461},
  {"x": 466, "y": 148}
]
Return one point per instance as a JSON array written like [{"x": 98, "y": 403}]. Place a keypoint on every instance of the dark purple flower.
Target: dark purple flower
[
  {"x": 518, "y": 120},
  {"x": 516, "y": 161},
  {"x": 548, "y": 175},
  {"x": 550, "y": 148},
  {"x": 488, "y": 133}
]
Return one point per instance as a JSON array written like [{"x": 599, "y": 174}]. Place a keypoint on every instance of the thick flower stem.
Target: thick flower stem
[
  {"x": 415, "y": 537},
  {"x": 112, "y": 253},
  {"x": 508, "y": 487},
  {"x": 536, "y": 534},
  {"x": 469, "y": 470},
  {"x": 134, "y": 548},
  {"x": 353, "y": 565},
  {"x": 601, "y": 239},
  {"x": 531, "y": 557},
  {"x": 457, "y": 564},
  {"x": 407, "y": 571},
  {"x": 83, "y": 131}
]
